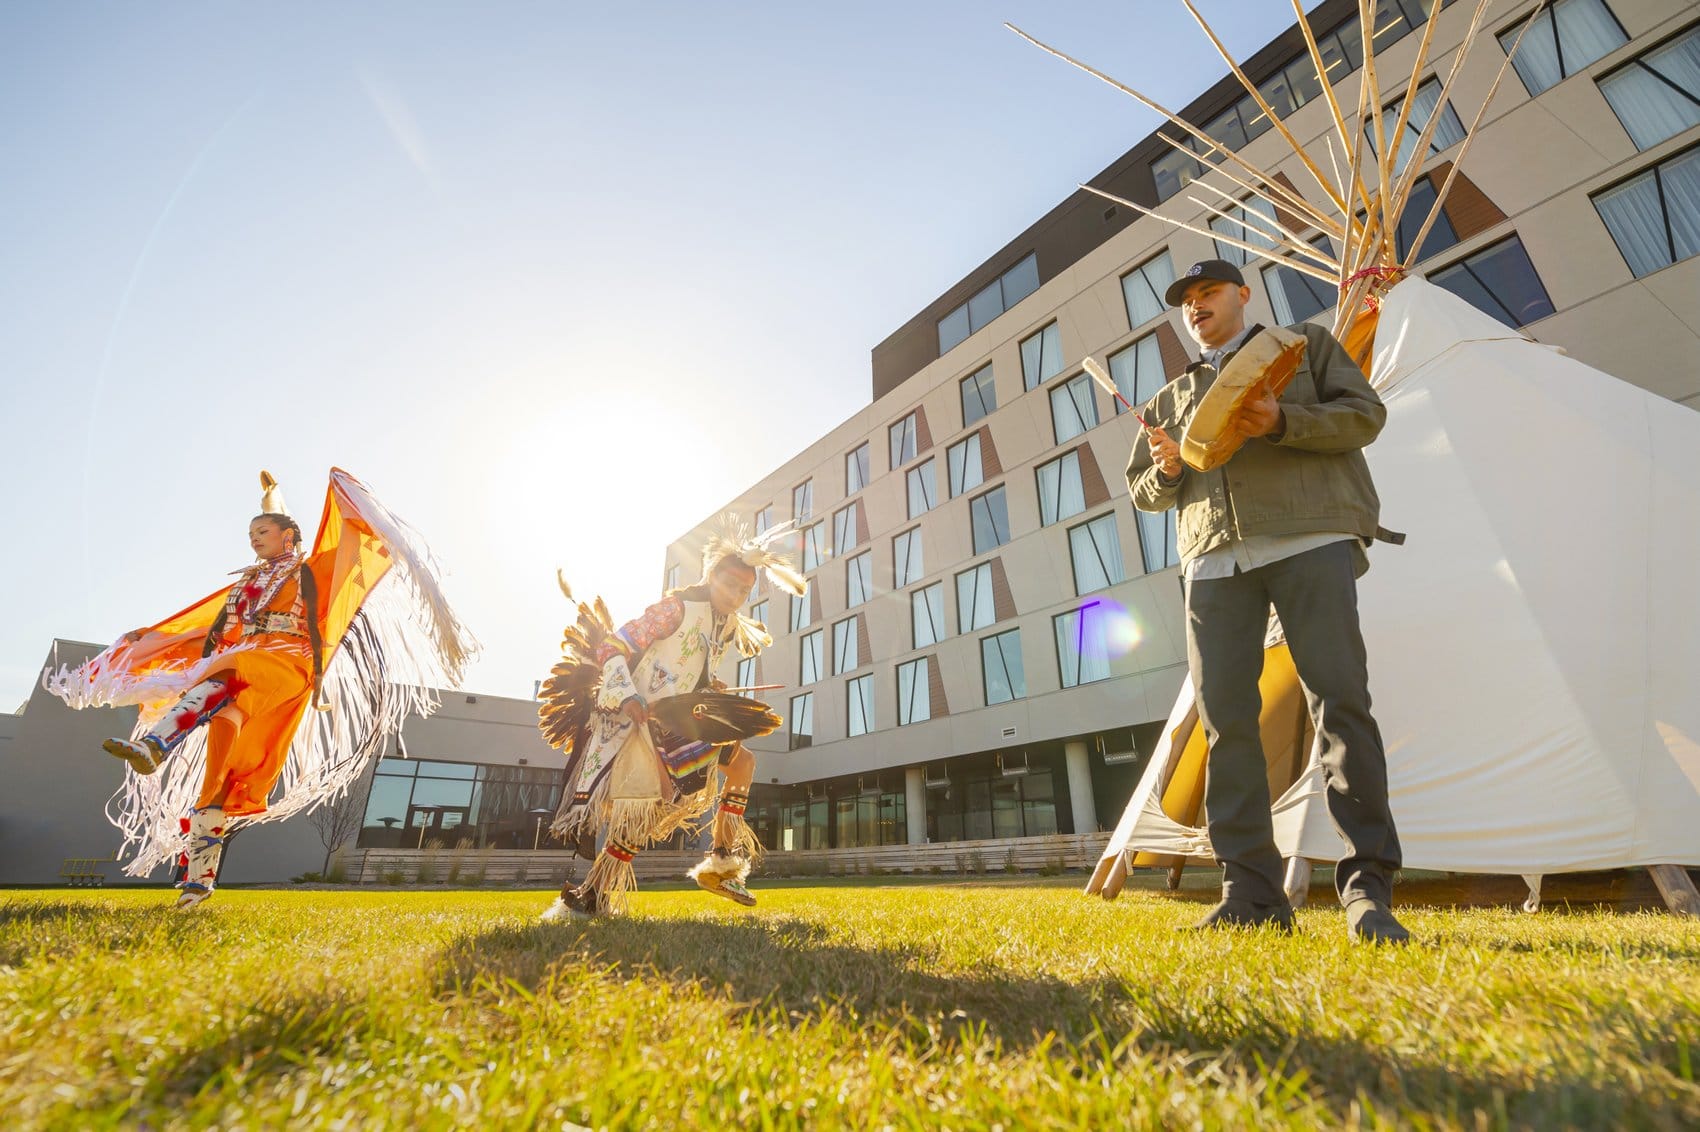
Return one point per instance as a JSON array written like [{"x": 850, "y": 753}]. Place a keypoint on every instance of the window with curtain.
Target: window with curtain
[
  {"x": 914, "y": 692},
  {"x": 814, "y": 546},
  {"x": 859, "y": 579},
  {"x": 861, "y": 696},
  {"x": 1448, "y": 131},
  {"x": 1143, "y": 287},
  {"x": 923, "y": 487},
  {"x": 1073, "y": 408},
  {"x": 1657, "y": 96},
  {"x": 1041, "y": 356},
  {"x": 967, "y": 469},
  {"x": 1158, "y": 544},
  {"x": 1499, "y": 280},
  {"x": 1138, "y": 371},
  {"x": 1294, "y": 295},
  {"x": 907, "y": 566},
  {"x": 846, "y": 527},
  {"x": 802, "y": 720},
  {"x": 812, "y": 666},
  {"x": 1083, "y": 652},
  {"x": 1061, "y": 495},
  {"x": 1003, "y": 677},
  {"x": 856, "y": 469},
  {"x": 979, "y": 396},
  {"x": 975, "y": 604},
  {"x": 989, "y": 517},
  {"x": 926, "y": 611},
  {"x": 803, "y": 500},
  {"x": 1565, "y": 36},
  {"x": 1654, "y": 217},
  {"x": 1253, "y": 221},
  {"x": 902, "y": 439},
  {"x": 845, "y": 646},
  {"x": 1096, "y": 553}
]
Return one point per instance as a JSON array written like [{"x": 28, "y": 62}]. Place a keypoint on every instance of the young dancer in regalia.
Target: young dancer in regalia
[
  {"x": 629, "y": 777},
  {"x": 225, "y": 686}
]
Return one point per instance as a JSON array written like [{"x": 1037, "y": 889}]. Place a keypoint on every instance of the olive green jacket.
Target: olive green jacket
[{"x": 1310, "y": 475}]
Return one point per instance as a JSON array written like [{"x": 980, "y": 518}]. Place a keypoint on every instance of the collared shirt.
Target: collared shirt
[{"x": 1237, "y": 555}]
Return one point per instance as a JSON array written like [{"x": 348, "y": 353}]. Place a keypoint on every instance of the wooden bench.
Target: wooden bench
[{"x": 82, "y": 871}]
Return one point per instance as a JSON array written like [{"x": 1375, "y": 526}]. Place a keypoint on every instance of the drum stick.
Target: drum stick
[{"x": 1102, "y": 377}]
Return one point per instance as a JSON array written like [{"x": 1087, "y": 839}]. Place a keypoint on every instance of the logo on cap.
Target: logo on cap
[{"x": 1195, "y": 269}]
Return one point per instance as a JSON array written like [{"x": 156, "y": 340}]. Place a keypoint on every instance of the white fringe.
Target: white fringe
[{"x": 405, "y": 642}]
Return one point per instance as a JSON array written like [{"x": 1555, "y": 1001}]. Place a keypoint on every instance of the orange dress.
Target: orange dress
[{"x": 273, "y": 679}]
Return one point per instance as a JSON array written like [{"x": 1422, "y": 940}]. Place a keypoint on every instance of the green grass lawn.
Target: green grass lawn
[{"x": 1024, "y": 1005}]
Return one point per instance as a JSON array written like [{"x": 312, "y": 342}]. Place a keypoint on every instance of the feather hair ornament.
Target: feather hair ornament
[{"x": 733, "y": 540}]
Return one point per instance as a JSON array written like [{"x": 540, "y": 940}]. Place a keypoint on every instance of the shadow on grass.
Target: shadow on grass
[{"x": 793, "y": 966}]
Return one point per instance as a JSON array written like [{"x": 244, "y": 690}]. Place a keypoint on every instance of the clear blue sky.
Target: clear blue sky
[{"x": 512, "y": 264}]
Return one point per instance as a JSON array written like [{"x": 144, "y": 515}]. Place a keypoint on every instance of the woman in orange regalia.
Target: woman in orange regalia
[{"x": 247, "y": 662}]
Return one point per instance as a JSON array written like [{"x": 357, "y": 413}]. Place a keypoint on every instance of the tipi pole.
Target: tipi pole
[{"x": 1677, "y": 887}]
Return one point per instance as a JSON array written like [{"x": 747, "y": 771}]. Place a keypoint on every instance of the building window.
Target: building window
[
  {"x": 1448, "y": 131},
  {"x": 1096, "y": 553},
  {"x": 1174, "y": 171},
  {"x": 926, "y": 611},
  {"x": 1655, "y": 216},
  {"x": 903, "y": 439},
  {"x": 1138, "y": 371},
  {"x": 1158, "y": 544},
  {"x": 802, "y": 721},
  {"x": 803, "y": 610},
  {"x": 1566, "y": 36},
  {"x": 1500, "y": 281},
  {"x": 1073, "y": 408},
  {"x": 814, "y": 650},
  {"x": 846, "y": 648},
  {"x": 967, "y": 469},
  {"x": 415, "y": 802},
  {"x": 803, "y": 500},
  {"x": 907, "y": 566},
  {"x": 975, "y": 604},
  {"x": 1295, "y": 296},
  {"x": 859, "y": 579},
  {"x": 1041, "y": 356},
  {"x": 1000, "y": 666},
  {"x": 995, "y": 298},
  {"x": 989, "y": 514},
  {"x": 673, "y": 577},
  {"x": 1143, "y": 287},
  {"x": 747, "y": 675},
  {"x": 1657, "y": 96},
  {"x": 1253, "y": 222},
  {"x": 758, "y": 612},
  {"x": 847, "y": 527},
  {"x": 979, "y": 396},
  {"x": 764, "y": 519},
  {"x": 923, "y": 489},
  {"x": 914, "y": 692},
  {"x": 856, "y": 470},
  {"x": 861, "y": 696},
  {"x": 1441, "y": 234},
  {"x": 1061, "y": 495},
  {"x": 1083, "y": 653},
  {"x": 814, "y": 546}
]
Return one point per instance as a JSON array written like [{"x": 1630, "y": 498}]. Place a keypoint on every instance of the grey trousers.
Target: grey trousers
[{"x": 1316, "y": 596}]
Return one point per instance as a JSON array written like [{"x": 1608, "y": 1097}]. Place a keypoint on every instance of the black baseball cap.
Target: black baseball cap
[{"x": 1203, "y": 269}]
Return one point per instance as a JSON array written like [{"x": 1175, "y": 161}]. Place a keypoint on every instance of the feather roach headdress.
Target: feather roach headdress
[{"x": 734, "y": 540}]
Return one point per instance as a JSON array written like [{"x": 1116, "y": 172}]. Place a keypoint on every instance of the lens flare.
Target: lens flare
[{"x": 1122, "y": 631}]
